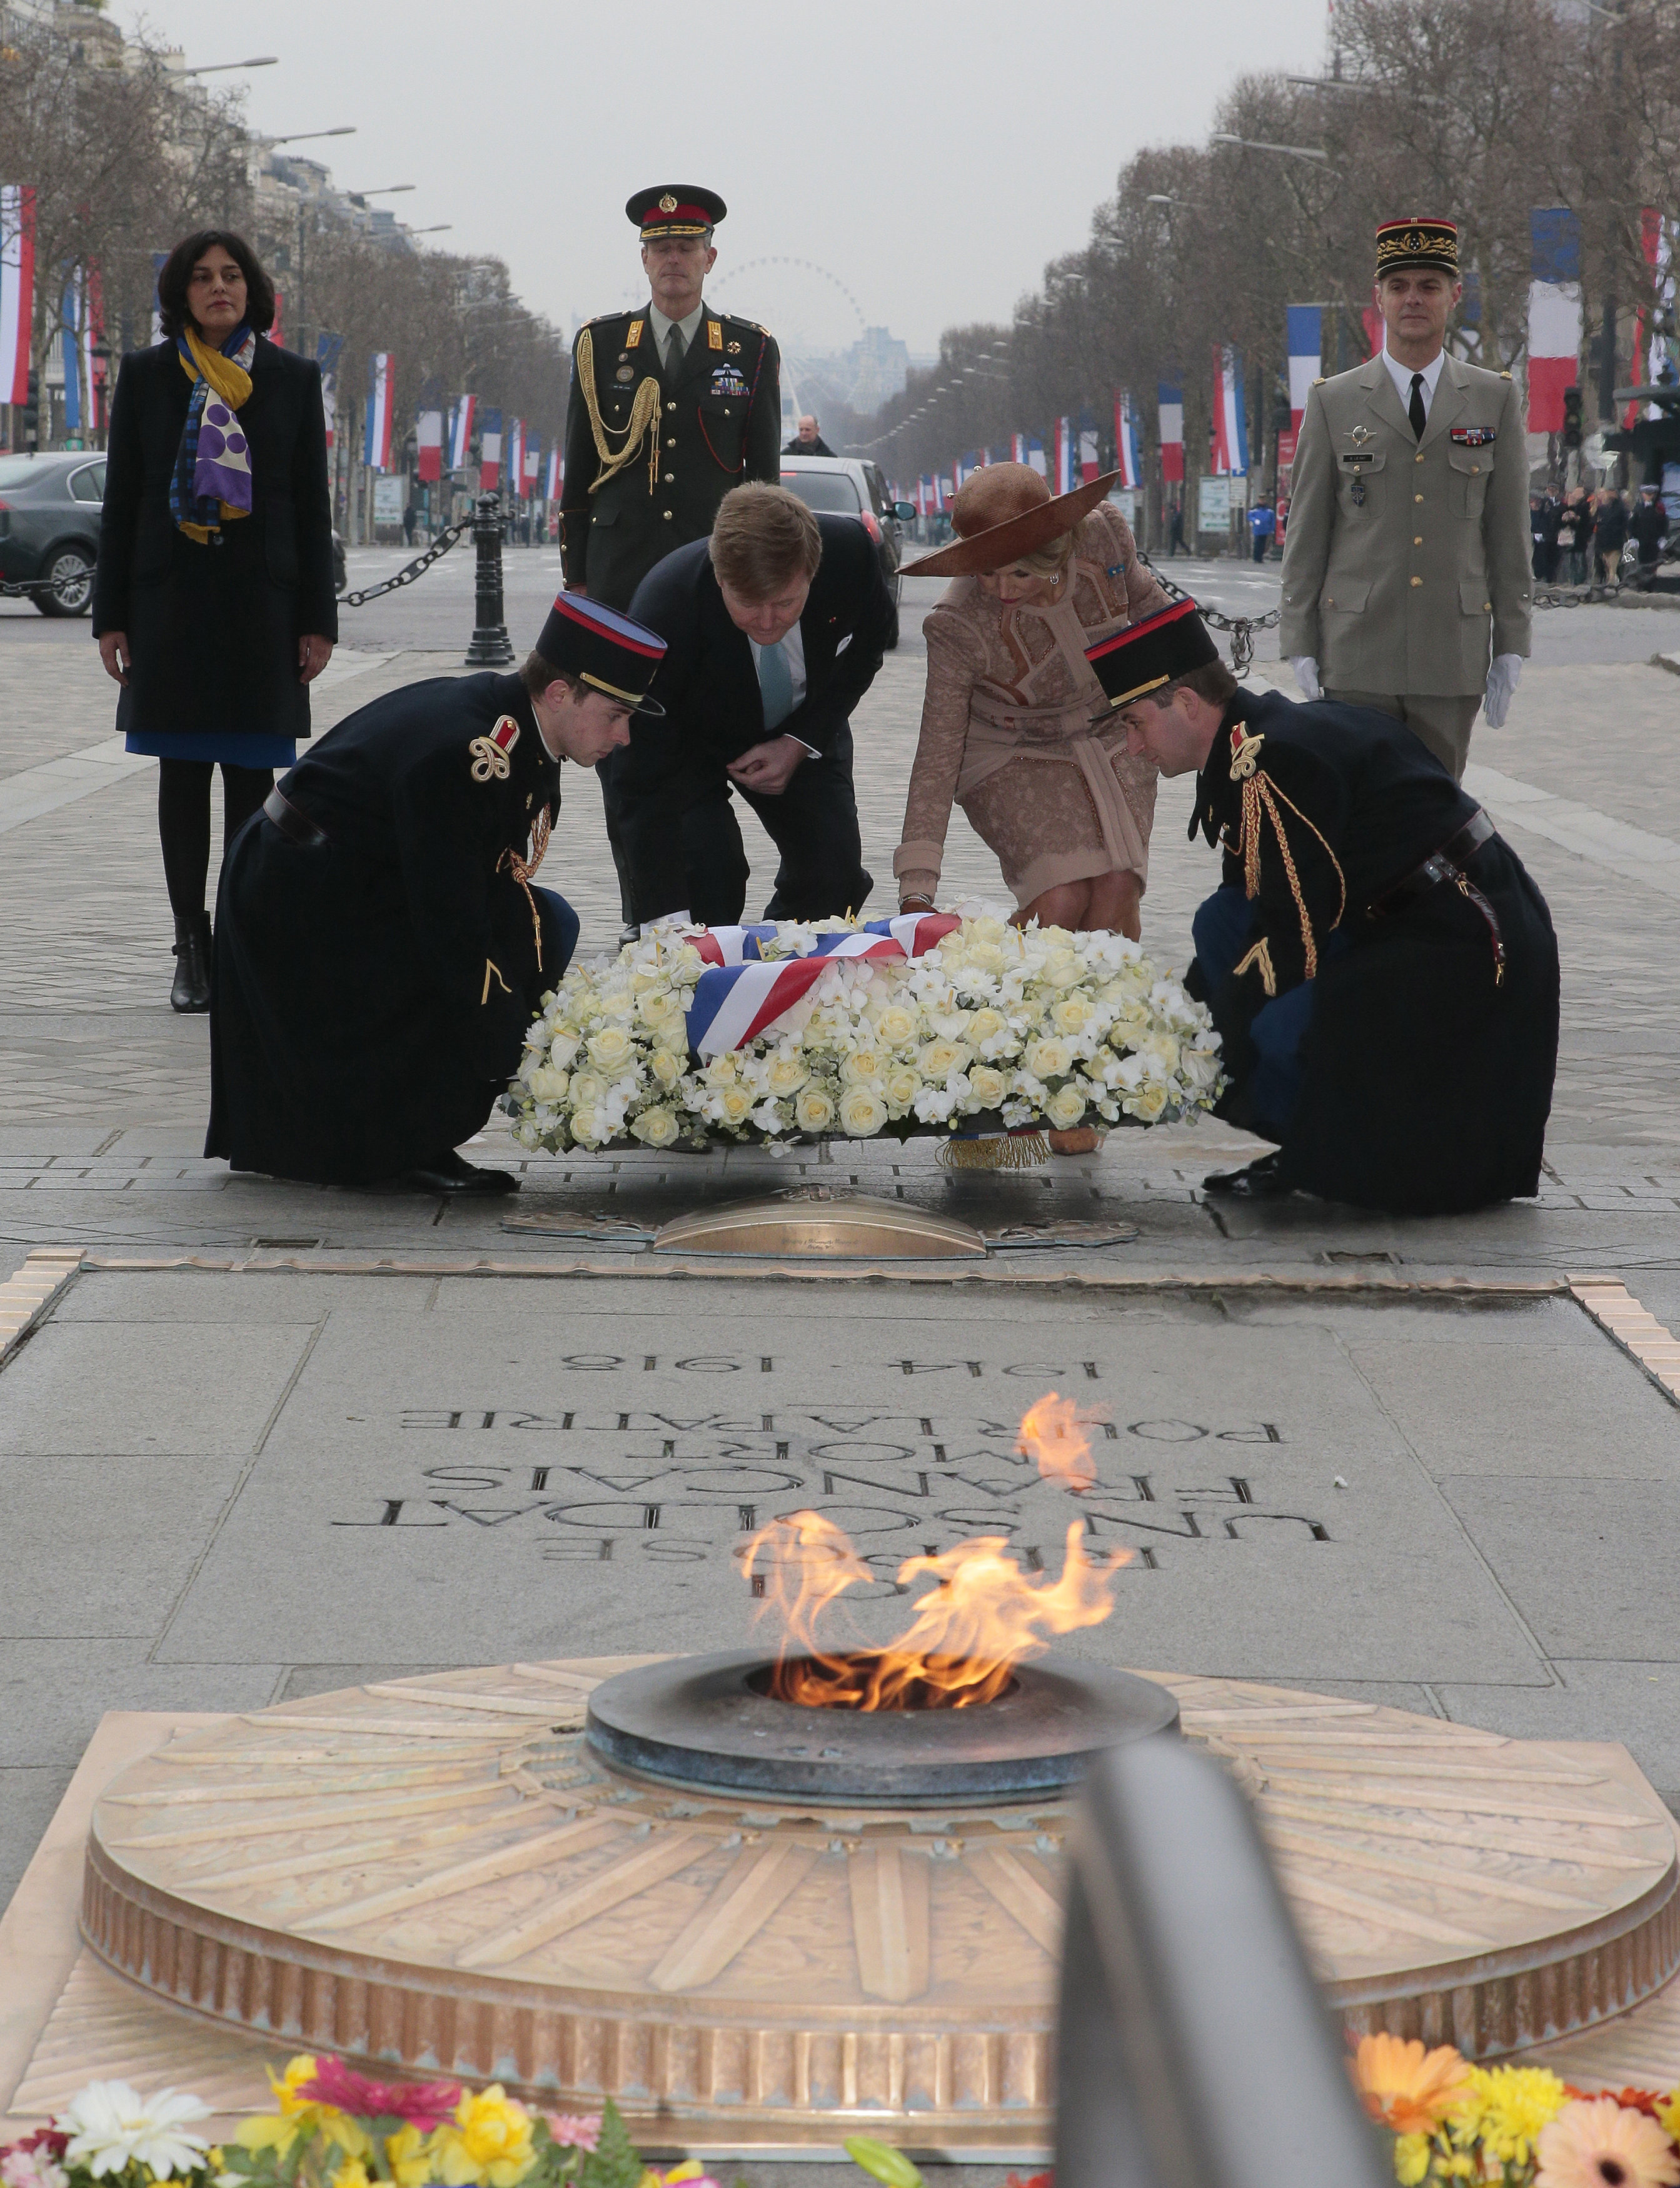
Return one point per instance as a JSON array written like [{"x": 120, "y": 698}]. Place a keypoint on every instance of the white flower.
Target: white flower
[
  {"x": 1060, "y": 969},
  {"x": 587, "y": 1088},
  {"x": 1148, "y": 1103},
  {"x": 549, "y": 1085},
  {"x": 987, "y": 1085},
  {"x": 788, "y": 1073},
  {"x": 814, "y": 1112},
  {"x": 667, "y": 1066},
  {"x": 735, "y": 1104},
  {"x": 611, "y": 1049},
  {"x": 900, "y": 1087},
  {"x": 862, "y": 1111},
  {"x": 1072, "y": 1015},
  {"x": 1065, "y": 1106},
  {"x": 564, "y": 1044},
  {"x": 898, "y": 1024},
  {"x": 656, "y": 1127},
  {"x": 861, "y": 1067},
  {"x": 770, "y": 1119},
  {"x": 659, "y": 1007},
  {"x": 1050, "y": 1059},
  {"x": 933, "y": 1104},
  {"x": 111, "y": 2126},
  {"x": 940, "y": 1058}
]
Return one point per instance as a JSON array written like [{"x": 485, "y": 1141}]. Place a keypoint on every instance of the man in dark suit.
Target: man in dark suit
[{"x": 774, "y": 630}]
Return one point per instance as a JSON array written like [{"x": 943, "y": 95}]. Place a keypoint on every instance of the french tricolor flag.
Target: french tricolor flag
[
  {"x": 1017, "y": 448},
  {"x": 490, "y": 453},
  {"x": 429, "y": 447},
  {"x": 1126, "y": 451},
  {"x": 1063, "y": 481},
  {"x": 551, "y": 491},
  {"x": 1306, "y": 328},
  {"x": 1230, "y": 425},
  {"x": 461, "y": 432},
  {"x": 1034, "y": 457},
  {"x": 739, "y": 995},
  {"x": 1089, "y": 466},
  {"x": 17, "y": 288},
  {"x": 534, "y": 466},
  {"x": 516, "y": 453},
  {"x": 376, "y": 440},
  {"x": 1554, "y": 316},
  {"x": 1169, "y": 410}
]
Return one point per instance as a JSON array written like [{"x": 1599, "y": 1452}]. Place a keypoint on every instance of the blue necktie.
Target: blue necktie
[{"x": 775, "y": 684}]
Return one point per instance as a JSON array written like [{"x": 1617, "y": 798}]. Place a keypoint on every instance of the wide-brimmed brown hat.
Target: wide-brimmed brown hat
[{"x": 1004, "y": 511}]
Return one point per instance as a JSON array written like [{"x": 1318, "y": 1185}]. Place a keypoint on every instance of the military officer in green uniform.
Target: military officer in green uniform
[
  {"x": 1406, "y": 579},
  {"x": 671, "y": 406}
]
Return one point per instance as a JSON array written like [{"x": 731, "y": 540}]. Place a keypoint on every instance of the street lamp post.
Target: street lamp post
[{"x": 1255, "y": 144}]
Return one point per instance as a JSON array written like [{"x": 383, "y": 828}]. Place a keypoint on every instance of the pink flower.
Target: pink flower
[
  {"x": 1596, "y": 2143},
  {"x": 574, "y": 2131},
  {"x": 22, "y": 2167},
  {"x": 426, "y": 2104}
]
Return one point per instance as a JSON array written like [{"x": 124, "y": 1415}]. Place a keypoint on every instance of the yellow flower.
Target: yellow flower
[
  {"x": 667, "y": 1066},
  {"x": 988, "y": 1086},
  {"x": 352, "y": 2173},
  {"x": 1410, "y": 2159},
  {"x": 299, "y": 2070},
  {"x": 788, "y": 1073},
  {"x": 813, "y": 1112},
  {"x": 489, "y": 2143},
  {"x": 689, "y": 2170},
  {"x": 1508, "y": 2106},
  {"x": 1668, "y": 2111},
  {"x": 1405, "y": 2087},
  {"x": 611, "y": 1049},
  {"x": 1065, "y": 1106},
  {"x": 1049, "y": 1059},
  {"x": 409, "y": 2154},
  {"x": 655, "y": 1128},
  {"x": 862, "y": 1111}
]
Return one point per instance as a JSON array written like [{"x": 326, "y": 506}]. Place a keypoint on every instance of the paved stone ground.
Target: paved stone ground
[{"x": 198, "y": 1469}]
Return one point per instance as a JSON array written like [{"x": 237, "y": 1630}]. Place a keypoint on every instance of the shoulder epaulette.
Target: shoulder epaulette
[
  {"x": 1504, "y": 375},
  {"x": 1319, "y": 382},
  {"x": 493, "y": 755}
]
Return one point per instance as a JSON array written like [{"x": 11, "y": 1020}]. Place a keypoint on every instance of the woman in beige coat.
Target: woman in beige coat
[{"x": 1015, "y": 727}]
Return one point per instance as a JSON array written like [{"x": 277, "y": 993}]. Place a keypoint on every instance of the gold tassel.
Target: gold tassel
[{"x": 998, "y": 1151}]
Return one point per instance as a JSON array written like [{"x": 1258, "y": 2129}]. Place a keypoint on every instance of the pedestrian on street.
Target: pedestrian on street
[
  {"x": 1406, "y": 569},
  {"x": 1574, "y": 534},
  {"x": 380, "y": 945},
  {"x": 1175, "y": 533},
  {"x": 1262, "y": 525},
  {"x": 1610, "y": 533},
  {"x": 1545, "y": 521},
  {"x": 1648, "y": 528},
  {"x": 774, "y": 628},
  {"x": 213, "y": 601},
  {"x": 410, "y": 518},
  {"x": 807, "y": 441},
  {"x": 1006, "y": 729},
  {"x": 671, "y": 406},
  {"x": 1382, "y": 970}
]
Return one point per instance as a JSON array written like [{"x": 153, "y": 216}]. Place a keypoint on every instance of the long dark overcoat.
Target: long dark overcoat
[
  {"x": 370, "y": 993},
  {"x": 213, "y": 629},
  {"x": 1426, "y": 1081}
]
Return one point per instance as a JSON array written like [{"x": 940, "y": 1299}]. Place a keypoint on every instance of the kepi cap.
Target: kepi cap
[
  {"x": 1401, "y": 244},
  {"x": 675, "y": 209},
  {"x": 603, "y": 649},
  {"x": 1145, "y": 655}
]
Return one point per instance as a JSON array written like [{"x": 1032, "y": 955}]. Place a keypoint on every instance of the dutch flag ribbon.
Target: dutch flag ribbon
[{"x": 741, "y": 993}]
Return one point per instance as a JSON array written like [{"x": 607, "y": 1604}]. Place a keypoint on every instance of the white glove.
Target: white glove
[
  {"x": 1502, "y": 683},
  {"x": 1306, "y": 675}
]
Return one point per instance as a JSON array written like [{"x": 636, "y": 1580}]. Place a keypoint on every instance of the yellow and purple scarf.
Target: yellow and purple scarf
[{"x": 211, "y": 484}]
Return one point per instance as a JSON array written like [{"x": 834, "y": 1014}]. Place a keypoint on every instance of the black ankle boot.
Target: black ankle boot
[{"x": 191, "y": 989}]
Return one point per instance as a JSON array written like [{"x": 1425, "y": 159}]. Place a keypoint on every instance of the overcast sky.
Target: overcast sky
[{"x": 928, "y": 154}]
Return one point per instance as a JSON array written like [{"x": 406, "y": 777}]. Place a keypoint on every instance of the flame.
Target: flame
[
  {"x": 1053, "y": 1432},
  {"x": 982, "y": 1617}
]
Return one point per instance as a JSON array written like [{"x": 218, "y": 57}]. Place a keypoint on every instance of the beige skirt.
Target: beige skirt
[{"x": 1041, "y": 817}]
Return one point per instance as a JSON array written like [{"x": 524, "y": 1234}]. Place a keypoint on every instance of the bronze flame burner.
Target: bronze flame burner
[{"x": 709, "y": 1722}]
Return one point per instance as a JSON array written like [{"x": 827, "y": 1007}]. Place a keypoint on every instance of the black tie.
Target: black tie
[
  {"x": 676, "y": 349},
  {"x": 1420, "y": 417}
]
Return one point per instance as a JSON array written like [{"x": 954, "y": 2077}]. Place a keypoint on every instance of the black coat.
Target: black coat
[
  {"x": 708, "y": 685},
  {"x": 719, "y": 423},
  {"x": 214, "y": 630},
  {"x": 1425, "y": 1084},
  {"x": 370, "y": 995}
]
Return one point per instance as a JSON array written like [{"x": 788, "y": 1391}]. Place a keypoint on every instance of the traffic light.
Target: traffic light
[
  {"x": 32, "y": 413},
  {"x": 1572, "y": 417}
]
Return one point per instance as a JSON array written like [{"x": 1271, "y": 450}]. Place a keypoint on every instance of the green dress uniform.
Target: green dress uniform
[{"x": 649, "y": 458}]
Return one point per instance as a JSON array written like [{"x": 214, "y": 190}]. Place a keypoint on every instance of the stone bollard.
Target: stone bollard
[{"x": 489, "y": 648}]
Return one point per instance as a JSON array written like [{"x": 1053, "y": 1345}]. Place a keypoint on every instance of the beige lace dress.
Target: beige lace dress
[{"x": 1007, "y": 728}]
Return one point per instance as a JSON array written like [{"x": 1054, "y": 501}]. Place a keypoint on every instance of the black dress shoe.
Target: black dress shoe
[
  {"x": 1260, "y": 1179},
  {"x": 190, "y": 991},
  {"x": 448, "y": 1173}
]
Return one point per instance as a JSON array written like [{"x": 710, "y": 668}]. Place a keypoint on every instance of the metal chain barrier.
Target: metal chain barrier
[
  {"x": 406, "y": 576},
  {"x": 1241, "y": 628}
]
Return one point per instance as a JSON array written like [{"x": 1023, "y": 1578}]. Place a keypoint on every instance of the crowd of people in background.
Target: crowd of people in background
[{"x": 1581, "y": 538}]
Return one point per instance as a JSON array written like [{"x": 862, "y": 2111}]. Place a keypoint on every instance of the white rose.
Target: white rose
[
  {"x": 611, "y": 1049},
  {"x": 897, "y": 1025},
  {"x": 901, "y": 1085},
  {"x": 1072, "y": 1015},
  {"x": 1050, "y": 1059},
  {"x": 787, "y": 1073},
  {"x": 1060, "y": 969},
  {"x": 986, "y": 1025},
  {"x": 720, "y": 1070},
  {"x": 658, "y": 1007},
  {"x": 735, "y": 1104},
  {"x": 1163, "y": 1048},
  {"x": 861, "y": 1067},
  {"x": 621, "y": 1004},
  {"x": 1147, "y": 1102},
  {"x": 986, "y": 956},
  {"x": 940, "y": 1058},
  {"x": 588, "y": 1088},
  {"x": 862, "y": 1111},
  {"x": 656, "y": 1128},
  {"x": 813, "y": 1112},
  {"x": 987, "y": 1085},
  {"x": 667, "y": 1066},
  {"x": 549, "y": 1085},
  {"x": 1065, "y": 1108}
]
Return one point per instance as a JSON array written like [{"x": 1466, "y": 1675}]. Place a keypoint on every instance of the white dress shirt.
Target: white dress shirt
[{"x": 1402, "y": 377}]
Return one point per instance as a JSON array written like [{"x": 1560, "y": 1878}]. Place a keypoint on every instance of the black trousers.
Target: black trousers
[{"x": 686, "y": 854}]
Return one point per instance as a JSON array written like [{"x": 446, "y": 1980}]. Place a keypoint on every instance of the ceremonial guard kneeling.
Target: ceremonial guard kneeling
[
  {"x": 1382, "y": 970},
  {"x": 379, "y": 947}
]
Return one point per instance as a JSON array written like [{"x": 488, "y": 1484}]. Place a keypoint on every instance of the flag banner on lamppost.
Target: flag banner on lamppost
[
  {"x": 429, "y": 443},
  {"x": 1553, "y": 314},
  {"x": 1650, "y": 246},
  {"x": 70, "y": 347},
  {"x": 1305, "y": 329},
  {"x": 1230, "y": 425},
  {"x": 327, "y": 349},
  {"x": 17, "y": 288},
  {"x": 461, "y": 432},
  {"x": 1128, "y": 455},
  {"x": 1664, "y": 347},
  {"x": 1062, "y": 479},
  {"x": 551, "y": 491},
  {"x": 1017, "y": 448},
  {"x": 1089, "y": 466},
  {"x": 514, "y": 454},
  {"x": 377, "y": 438},
  {"x": 534, "y": 467},
  {"x": 985, "y": 458},
  {"x": 490, "y": 453},
  {"x": 94, "y": 367},
  {"x": 1169, "y": 413},
  {"x": 1034, "y": 457}
]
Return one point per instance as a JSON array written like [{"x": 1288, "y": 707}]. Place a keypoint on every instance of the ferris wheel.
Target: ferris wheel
[{"x": 805, "y": 265}]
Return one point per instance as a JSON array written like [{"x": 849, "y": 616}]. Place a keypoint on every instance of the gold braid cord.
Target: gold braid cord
[
  {"x": 1262, "y": 796},
  {"x": 522, "y": 870},
  {"x": 643, "y": 414}
]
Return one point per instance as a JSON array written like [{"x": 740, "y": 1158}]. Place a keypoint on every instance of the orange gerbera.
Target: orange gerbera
[
  {"x": 1597, "y": 2143},
  {"x": 1405, "y": 2087}
]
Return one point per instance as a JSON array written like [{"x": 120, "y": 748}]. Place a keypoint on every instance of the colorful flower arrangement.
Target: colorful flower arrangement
[
  {"x": 994, "y": 1028},
  {"x": 1519, "y": 2126},
  {"x": 333, "y": 2128}
]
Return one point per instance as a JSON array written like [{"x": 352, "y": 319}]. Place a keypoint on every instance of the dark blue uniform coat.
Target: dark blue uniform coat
[
  {"x": 370, "y": 995},
  {"x": 1423, "y": 1084}
]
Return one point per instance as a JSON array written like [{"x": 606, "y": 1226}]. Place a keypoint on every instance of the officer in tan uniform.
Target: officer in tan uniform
[{"x": 1406, "y": 579}]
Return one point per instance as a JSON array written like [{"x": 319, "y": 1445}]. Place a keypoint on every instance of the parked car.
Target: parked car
[
  {"x": 840, "y": 486},
  {"x": 49, "y": 529}
]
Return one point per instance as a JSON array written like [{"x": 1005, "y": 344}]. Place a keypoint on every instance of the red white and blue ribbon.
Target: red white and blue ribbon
[{"x": 741, "y": 994}]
